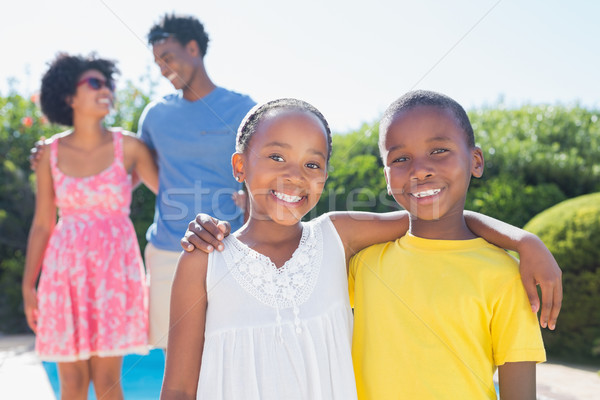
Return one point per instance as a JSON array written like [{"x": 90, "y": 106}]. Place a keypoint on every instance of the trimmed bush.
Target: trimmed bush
[{"x": 571, "y": 230}]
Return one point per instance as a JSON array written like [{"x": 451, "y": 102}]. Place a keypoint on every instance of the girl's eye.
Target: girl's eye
[
  {"x": 276, "y": 157},
  {"x": 400, "y": 159},
  {"x": 439, "y": 151},
  {"x": 313, "y": 166}
]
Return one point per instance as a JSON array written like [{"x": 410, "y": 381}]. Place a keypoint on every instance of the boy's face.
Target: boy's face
[
  {"x": 428, "y": 163},
  {"x": 176, "y": 61}
]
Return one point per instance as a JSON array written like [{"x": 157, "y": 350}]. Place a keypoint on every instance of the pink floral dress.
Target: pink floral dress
[{"x": 92, "y": 295}]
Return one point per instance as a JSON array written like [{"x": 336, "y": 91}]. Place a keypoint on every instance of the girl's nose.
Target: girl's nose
[{"x": 292, "y": 173}]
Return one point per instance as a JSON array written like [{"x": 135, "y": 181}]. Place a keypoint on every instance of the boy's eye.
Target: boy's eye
[
  {"x": 439, "y": 151},
  {"x": 276, "y": 157},
  {"x": 400, "y": 159},
  {"x": 313, "y": 166}
]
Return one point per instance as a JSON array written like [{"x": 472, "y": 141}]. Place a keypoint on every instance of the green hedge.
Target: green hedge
[{"x": 571, "y": 230}]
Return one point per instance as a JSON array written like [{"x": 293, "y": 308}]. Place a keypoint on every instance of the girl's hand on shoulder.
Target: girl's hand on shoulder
[{"x": 205, "y": 233}]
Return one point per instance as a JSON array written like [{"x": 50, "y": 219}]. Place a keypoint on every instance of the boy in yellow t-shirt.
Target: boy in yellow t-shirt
[{"x": 437, "y": 310}]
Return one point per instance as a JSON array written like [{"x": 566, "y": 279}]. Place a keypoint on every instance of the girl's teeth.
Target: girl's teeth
[{"x": 287, "y": 198}]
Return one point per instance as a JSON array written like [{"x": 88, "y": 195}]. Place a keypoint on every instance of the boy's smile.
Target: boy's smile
[{"x": 428, "y": 166}]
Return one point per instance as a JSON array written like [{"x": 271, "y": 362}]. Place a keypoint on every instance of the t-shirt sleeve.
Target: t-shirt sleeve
[
  {"x": 352, "y": 269},
  {"x": 515, "y": 330},
  {"x": 144, "y": 127}
]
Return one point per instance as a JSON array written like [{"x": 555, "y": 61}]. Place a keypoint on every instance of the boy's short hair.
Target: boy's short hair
[
  {"x": 60, "y": 82},
  {"x": 418, "y": 98},
  {"x": 181, "y": 28}
]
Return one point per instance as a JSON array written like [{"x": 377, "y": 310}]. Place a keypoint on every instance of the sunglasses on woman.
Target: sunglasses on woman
[{"x": 97, "y": 83}]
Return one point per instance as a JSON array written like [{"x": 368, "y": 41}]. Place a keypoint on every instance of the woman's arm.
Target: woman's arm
[
  {"x": 537, "y": 265},
  {"x": 42, "y": 225},
  {"x": 186, "y": 327},
  {"x": 139, "y": 160},
  {"x": 517, "y": 380}
]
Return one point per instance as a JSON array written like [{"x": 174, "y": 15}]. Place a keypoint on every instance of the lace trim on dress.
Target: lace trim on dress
[{"x": 285, "y": 287}]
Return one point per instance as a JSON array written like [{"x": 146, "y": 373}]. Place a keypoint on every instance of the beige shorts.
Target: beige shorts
[{"x": 160, "y": 265}]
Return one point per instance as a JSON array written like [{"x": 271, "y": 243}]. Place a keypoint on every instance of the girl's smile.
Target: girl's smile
[{"x": 288, "y": 199}]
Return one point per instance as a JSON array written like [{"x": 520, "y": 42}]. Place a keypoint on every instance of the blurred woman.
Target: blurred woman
[{"x": 90, "y": 307}]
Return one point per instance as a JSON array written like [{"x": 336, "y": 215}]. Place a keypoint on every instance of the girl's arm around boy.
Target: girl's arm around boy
[{"x": 361, "y": 229}]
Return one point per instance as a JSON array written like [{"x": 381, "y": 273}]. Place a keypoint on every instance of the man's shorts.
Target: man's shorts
[{"x": 161, "y": 265}]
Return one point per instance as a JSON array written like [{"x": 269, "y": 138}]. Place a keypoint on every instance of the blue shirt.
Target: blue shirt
[{"x": 194, "y": 142}]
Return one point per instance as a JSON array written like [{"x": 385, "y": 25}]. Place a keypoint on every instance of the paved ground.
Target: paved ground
[
  {"x": 23, "y": 377},
  {"x": 21, "y": 373}
]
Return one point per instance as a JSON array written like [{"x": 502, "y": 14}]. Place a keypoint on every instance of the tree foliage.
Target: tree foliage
[
  {"x": 536, "y": 156},
  {"x": 571, "y": 230},
  {"x": 19, "y": 119},
  {"x": 356, "y": 180}
]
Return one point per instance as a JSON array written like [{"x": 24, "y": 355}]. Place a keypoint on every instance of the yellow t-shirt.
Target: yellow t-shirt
[{"x": 433, "y": 319}]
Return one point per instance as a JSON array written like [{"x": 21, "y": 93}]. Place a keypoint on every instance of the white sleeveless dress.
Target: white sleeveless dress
[{"x": 279, "y": 333}]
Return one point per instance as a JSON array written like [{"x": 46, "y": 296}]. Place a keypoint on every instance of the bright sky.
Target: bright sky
[{"x": 349, "y": 58}]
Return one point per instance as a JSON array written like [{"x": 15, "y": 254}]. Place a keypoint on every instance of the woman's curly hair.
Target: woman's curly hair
[{"x": 60, "y": 82}]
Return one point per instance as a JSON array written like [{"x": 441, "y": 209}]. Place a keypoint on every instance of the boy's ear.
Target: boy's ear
[
  {"x": 193, "y": 48},
  {"x": 237, "y": 163},
  {"x": 477, "y": 162}
]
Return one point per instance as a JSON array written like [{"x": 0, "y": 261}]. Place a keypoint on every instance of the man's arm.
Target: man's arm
[{"x": 517, "y": 380}]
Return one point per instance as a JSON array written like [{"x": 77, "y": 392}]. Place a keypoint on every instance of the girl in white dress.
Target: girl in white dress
[{"x": 269, "y": 316}]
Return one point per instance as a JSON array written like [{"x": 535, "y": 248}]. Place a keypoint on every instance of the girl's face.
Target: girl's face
[
  {"x": 93, "y": 96},
  {"x": 284, "y": 166}
]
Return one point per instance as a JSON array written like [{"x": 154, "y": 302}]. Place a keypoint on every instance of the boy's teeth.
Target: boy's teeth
[
  {"x": 286, "y": 197},
  {"x": 106, "y": 101},
  {"x": 172, "y": 76},
  {"x": 427, "y": 193}
]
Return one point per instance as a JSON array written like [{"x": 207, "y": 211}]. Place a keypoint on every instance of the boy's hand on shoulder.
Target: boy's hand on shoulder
[
  {"x": 205, "y": 233},
  {"x": 538, "y": 267}
]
